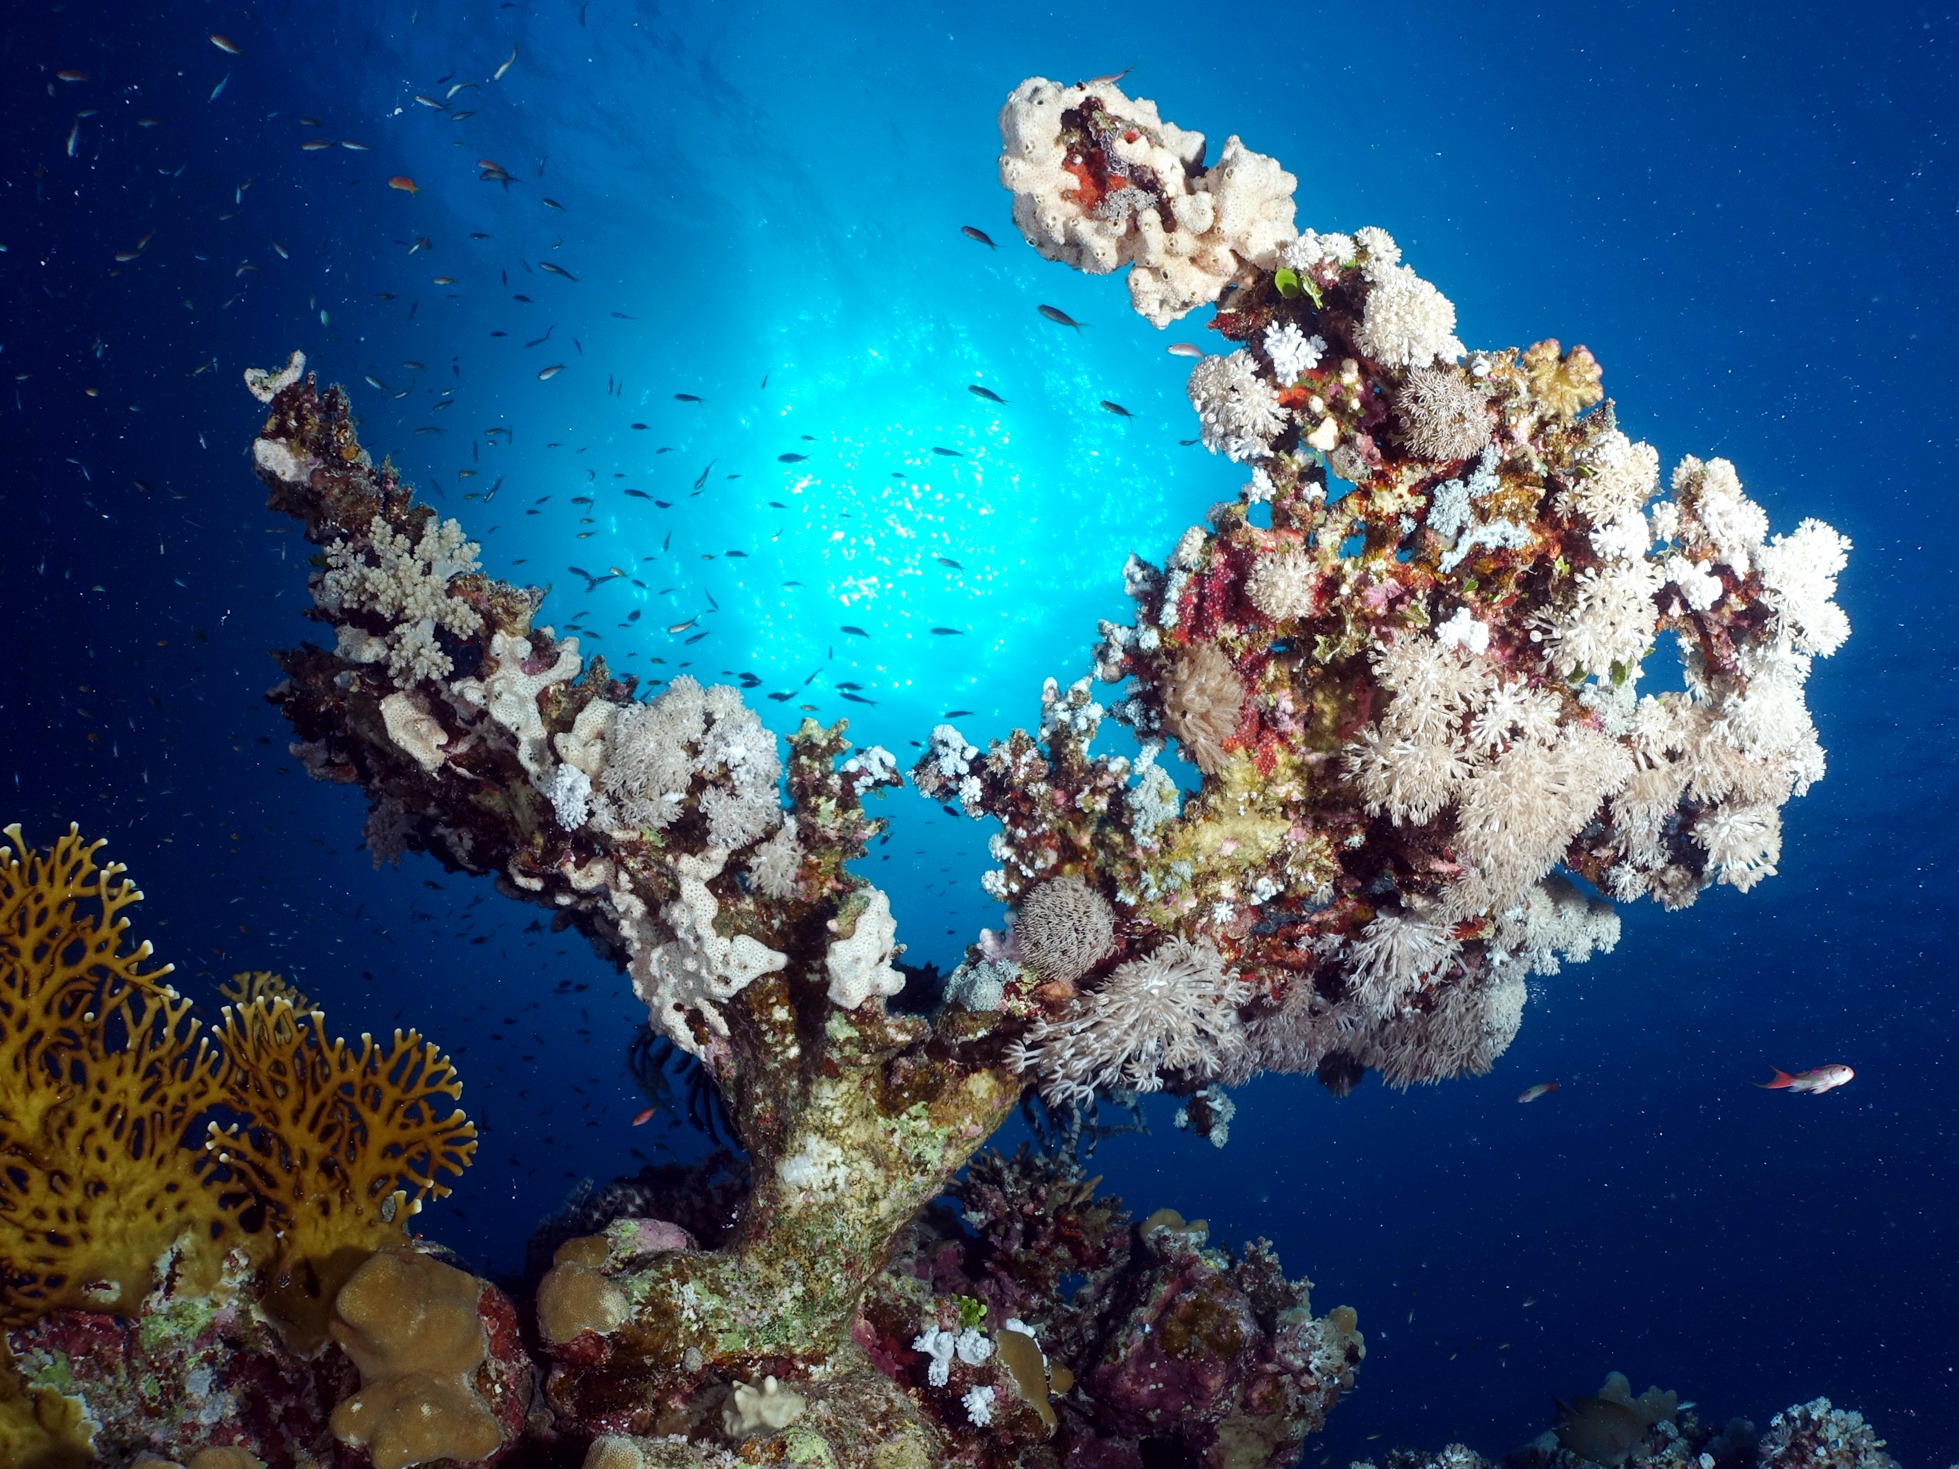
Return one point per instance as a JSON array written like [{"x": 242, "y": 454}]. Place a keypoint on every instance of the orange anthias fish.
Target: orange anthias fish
[
  {"x": 1816, "y": 1081},
  {"x": 404, "y": 183},
  {"x": 641, "y": 1119},
  {"x": 1532, "y": 1093}
]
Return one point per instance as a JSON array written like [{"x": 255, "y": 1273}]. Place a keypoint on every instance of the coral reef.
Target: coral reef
[
  {"x": 1657, "y": 1431},
  {"x": 656, "y": 827},
  {"x": 1166, "y": 1350},
  {"x": 777, "y": 995},
  {"x": 1408, "y": 701},
  {"x": 1816, "y": 1434},
  {"x": 180, "y": 1209},
  {"x": 106, "y": 1074},
  {"x": 1412, "y": 700}
]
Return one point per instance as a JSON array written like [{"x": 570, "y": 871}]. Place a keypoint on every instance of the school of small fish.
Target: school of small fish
[{"x": 526, "y": 258}]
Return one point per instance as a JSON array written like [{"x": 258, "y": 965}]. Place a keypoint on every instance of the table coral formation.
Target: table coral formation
[{"x": 1403, "y": 666}]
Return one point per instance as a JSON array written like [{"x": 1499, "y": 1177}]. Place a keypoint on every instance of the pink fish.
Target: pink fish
[{"x": 1821, "y": 1079}]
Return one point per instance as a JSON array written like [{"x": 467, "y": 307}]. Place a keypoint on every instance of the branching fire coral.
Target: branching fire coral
[
  {"x": 1410, "y": 703},
  {"x": 345, "y": 1144},
  {"x": 111, "y": 1163},
  {"x": 101, "y": 1074}
]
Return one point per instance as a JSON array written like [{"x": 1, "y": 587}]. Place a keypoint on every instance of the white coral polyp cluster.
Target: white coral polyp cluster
[
  {"x": 407, "y": 585},
  {"x": 1238, "y": 413},
  {"x": 1552, "y": 925},
  {"x": 1173, "y": 1010},
  {"x": 1799, "y": 580},
  {"x": 1617, "y": 477},
  {"x": 657, "y": 752},
  {"x": 1522, "y": 779},
  {"x": 1398, "y": 953},
  {"x": 1444, "y": 414},
  {"x": 1611, "y": 621},
  {"x": 1224, "y": 221},
  {"x": 1522, "y": 775},
  {"x": 1285, "y": 584},
  {"x": 1293, "y": 353},
  {"x": 1406, "y": 321},
  {"x": 774, "y": 865}
]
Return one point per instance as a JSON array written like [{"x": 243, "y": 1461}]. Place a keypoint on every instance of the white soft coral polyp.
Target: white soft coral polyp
[{"x": 1799, "y": 579}]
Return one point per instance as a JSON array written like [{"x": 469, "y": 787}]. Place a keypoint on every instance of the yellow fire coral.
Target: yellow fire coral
[
  {"x": 105, "y": 1076},
  {"x": 261, "y": 984},
  {"x": 101, "y": 1073},
  {"x": 338, "y": 1136}
]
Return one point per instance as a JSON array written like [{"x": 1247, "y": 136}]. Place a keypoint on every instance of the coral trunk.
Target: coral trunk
[{"x": 847, "y": 1145}]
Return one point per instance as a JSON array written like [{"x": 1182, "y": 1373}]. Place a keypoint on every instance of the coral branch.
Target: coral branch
[
  {"x": 655, "y": 827},
  {"x": 1410, "y": 703}
]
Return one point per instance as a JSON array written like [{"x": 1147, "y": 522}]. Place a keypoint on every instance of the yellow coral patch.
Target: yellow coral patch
[
  {"x": 1237, "y": 824},
  {"x": 346, "y": 1143},
  {"x": 1565, "y": 385},
  {"x": 105, "y": 1076},
  {"x": 101, "y": 1073}
]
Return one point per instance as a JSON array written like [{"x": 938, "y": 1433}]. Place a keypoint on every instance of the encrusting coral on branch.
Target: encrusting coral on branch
[
  {"x": 1412, "y": 699},
  {"x": 1411, "y": 706}
]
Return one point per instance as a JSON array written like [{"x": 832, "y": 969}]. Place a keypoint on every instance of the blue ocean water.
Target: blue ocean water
[{"x": 1748, "y": 215}]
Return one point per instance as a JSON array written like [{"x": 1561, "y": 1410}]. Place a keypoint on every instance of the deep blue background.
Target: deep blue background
[{"x": 1747, "y": 214}]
